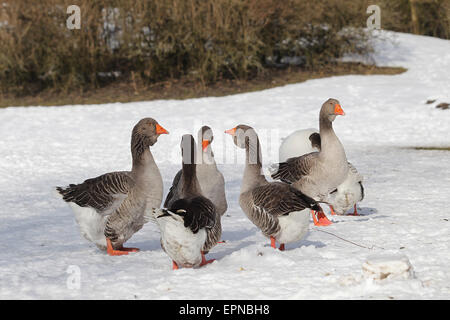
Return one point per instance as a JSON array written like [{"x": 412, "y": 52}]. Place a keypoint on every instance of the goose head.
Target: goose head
[
  {"x": 206, "y": 136},
  {"x": 147, "y": 131},
  {"x": 330, "y": 109},
  {"x": 243, "y": 136}
]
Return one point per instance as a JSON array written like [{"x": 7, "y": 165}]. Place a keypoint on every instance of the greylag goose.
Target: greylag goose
[
  {"x": 348, "y": 193},
  {"x": 190, "y": 225},
  {"x": 279, "y": 210},
  {"x": 112, "y": 207},
  {"x": 210, "y": 178},
  {"x": 317, "y": 174}
]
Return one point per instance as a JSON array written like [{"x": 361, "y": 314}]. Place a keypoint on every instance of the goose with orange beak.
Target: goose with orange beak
[
  {"x": 209, "y": 177},
  {"x": 317, "y": 174},
  {"x": 348, "y": 193},
  {"x": 112, "y": 207},
  {"x": 279, "y": 210},
  {"x": 189, "y": 225}
]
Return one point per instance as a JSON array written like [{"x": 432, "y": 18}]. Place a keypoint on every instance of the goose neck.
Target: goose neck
[
  {"x": 142, "y": 158},
  {"x": 189, "y": 181},
  {"x": 253, "y": 175}
]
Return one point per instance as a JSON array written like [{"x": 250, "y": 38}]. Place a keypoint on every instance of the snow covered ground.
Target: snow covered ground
[{"x": 405, "y": 211}]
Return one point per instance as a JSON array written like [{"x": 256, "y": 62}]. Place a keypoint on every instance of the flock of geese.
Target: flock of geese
[{"x": 313, "y": 169}]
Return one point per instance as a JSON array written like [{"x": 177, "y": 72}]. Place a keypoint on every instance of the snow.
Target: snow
[
  {"x": 405, "y": 210},
  {"x": 380, "y": 267}
]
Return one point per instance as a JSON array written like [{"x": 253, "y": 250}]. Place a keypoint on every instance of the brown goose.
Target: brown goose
[
  {"x": 112, "y": 207},
  {"x": 278, "y": 209},
  {"x": 210, "y": 178},
  {"x": 317, "y": 174}
]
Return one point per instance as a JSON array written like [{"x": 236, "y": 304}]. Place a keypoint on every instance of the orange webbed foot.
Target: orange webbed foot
[
  {"x": 204, "y": 261},
  {"x": 113, "y": 252},
  {"x": 320, "y": 219}
]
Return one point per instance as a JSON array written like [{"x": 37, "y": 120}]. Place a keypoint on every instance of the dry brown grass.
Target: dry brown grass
[
  {"x": 199, "y": 42},
  {"x": 204, "y": 40},
  {"x": 433, "y": 16}
]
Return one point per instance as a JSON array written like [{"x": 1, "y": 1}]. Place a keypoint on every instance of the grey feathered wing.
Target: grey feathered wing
[
  {"x": 293, "y": 169},
  {"x": 104, "y": 193},
  {"x": 270, "y": 201}
]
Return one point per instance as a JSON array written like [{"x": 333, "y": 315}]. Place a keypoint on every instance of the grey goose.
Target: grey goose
[
  {"x": 189, "y": 225},
  {"x": 317, "y": 174},
  {"x": 348, "y": 193},
  {"x": 209, "y": 177},
  {"x": 279, "y": 210},
  {"x": 110, "y": 208}
]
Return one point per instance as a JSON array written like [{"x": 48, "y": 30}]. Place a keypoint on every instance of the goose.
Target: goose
[
  {"x": 279, "y": 210},
  {"x": 210, "y": 178},
  {"x": 110, "y": 208},
  {"x": 190, "y": 225},
  {"x": 348, "y": 193},
  {"x": 317, "y": 174}
]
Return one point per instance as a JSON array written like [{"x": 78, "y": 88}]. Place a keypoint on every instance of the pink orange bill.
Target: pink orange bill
[
  {"x": 231, "y": 131},
  {"x": 338, "y": 110},
  {"x": 161, "y": 130},
  {"x": 205, "y": 144}
]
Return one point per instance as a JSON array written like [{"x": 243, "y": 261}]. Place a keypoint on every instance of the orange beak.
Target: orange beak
[
  {"x": 231, "y": 131},
  {"x": 338, "y": 110},
  {"x": 205, "y": 144},
  {"x": 161, "y": 130}
]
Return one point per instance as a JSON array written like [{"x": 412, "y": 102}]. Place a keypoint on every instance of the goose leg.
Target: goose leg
[
  {"x": 355, "y": 212},
  {"x": 174, "y": 265},
  {"x": 332, "y": 210},
  {"x": 320, "y": 219},
  {"x": 204, "y": 261},
  {"x": 113, "y": 252},
  {"x": 272, "y": 243}
]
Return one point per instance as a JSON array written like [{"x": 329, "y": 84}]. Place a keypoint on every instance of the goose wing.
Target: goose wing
[
  {"x": 277, "y": 199},
  {"x": 293, "y": 169},
  {"x": 198, "y": 212},
  {"x": 104, "y": 193},
  {"x": 352, "y": 171}
]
